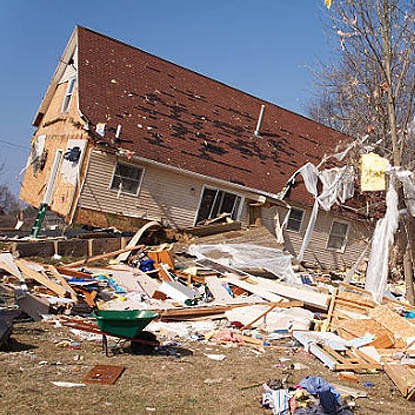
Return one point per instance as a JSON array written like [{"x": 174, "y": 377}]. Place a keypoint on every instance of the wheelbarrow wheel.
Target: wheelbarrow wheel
[{"x": 141, "y": 348}]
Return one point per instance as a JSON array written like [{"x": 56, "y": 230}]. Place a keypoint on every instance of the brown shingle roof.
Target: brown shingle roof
[{"x": 181, "y": 118}]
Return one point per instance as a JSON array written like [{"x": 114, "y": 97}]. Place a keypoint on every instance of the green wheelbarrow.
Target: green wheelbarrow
[{"x": 126, "y": 325}]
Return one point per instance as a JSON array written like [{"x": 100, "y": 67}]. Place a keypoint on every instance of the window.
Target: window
[
  {"x": 68, "y": 95},
  {"x": 338, "y": 236},
  {"x": 215, "y": 201},
  {"x": 295, "y": 219},
  {"x": 127, "y": 178}
]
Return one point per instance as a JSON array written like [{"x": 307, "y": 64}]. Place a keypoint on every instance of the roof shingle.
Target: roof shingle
[{"x": 183, "y": 119}]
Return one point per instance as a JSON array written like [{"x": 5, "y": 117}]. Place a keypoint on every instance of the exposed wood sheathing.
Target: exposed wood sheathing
[{"x": 58, "y": 128}]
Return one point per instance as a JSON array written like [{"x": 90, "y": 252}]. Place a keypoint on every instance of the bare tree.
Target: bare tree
[
  {"x": 8, "y": 201},
  {"x": 369, "y": 87}
]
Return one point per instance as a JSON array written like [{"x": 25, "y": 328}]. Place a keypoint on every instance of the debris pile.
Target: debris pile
[{"x": 231, "y": 294}]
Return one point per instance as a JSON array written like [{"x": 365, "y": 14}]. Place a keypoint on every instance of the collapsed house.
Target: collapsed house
[{"x": 124, "y": 137}]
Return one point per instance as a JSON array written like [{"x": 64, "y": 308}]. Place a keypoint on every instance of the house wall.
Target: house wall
[
  {"x": 58, "y": 129},
  {"x": 164, "y": 195},
  {"x": 317, "y": 252}
]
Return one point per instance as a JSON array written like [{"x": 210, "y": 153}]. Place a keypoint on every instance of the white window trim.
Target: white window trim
[
  {"x": 206, "y": 186},
  {"x": 346, "y": 237},
  {"x": 301, "y": 223},
  {"x": 113, "y": 175},
  {"x": 73, "y": 78}
]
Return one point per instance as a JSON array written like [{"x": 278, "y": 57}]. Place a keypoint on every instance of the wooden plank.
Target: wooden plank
[
  {"x": 104, "y": 256},
  {"x": 254, "y": 289},
  {"x": 356, "y": 299},
  {"x": 259, "y": 317},
  {"x": 72, "y": 273},
  {"x": 358, "y": 367},
  {"x": 213, "y": 229},
  {"x": 218, "y": 291},
  {"x": 221, "y": 269},
  {"x": 363, "y": 356},
  {"x": 331, "y": 307},
  {"x": 41, "y": 279},
  {"x": 294, "y": 292},
  {"x": 63, "y": 282},
  {"x": 339, "y": 357},
  {"x": 403, "y": 377},
  {"x": 88, "y": 295},
  {"x": 348, "y": 377},
  {"x": 216, "y": 309}
]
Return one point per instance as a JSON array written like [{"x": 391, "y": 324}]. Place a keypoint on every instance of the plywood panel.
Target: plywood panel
[{"x": 58, "y": 128}]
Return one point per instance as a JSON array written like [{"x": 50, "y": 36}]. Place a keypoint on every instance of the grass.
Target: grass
[{"x": 157, "y": 384}]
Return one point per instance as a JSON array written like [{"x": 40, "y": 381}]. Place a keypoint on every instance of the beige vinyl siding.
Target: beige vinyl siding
[
  {"x": 163, "y": 195},
  {"x": 317, "y": 251}
]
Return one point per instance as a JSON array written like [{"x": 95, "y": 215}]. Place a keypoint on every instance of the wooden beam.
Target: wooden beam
[
  {"x": 260, "y": 316},
  {"x": 103, "y": 256},
  {"x": 41, "y": 279},
  {"x": 64, "y": 283}
]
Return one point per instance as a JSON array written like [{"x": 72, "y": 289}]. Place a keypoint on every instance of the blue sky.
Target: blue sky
[{"x": 263, "y": 47}]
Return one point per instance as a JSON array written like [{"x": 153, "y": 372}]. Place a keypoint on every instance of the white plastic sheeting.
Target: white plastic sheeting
[
  {"x": 248, "y": 256},
  {"x": 338, "y": 186},
  {"x": 377, "y": 272},
  {"x": 407, "y": 179}
]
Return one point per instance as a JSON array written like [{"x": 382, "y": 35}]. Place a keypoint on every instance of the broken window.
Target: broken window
[
  {"x": 127, "y": 178},
  {"x": 295, "y": 220},
  {"x": 338, "y": 236},
  {"x": 68, "y": 95},
  {"x": 216, "y": 201}
]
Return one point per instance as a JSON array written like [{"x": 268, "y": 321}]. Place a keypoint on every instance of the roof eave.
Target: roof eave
[{"x": 60, "y": 69}]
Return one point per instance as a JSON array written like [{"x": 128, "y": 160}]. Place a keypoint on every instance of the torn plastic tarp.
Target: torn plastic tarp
[
  {"x": 249, "y": 256},
  {"x": 338, "y": 186},
  {"x": 377, "y": 270},
  {"x": 407, "y": 179}
]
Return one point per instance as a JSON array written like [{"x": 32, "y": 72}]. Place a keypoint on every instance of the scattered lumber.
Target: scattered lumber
[
  {"x": 103, "y": 256},
  {"x": 40, "y": 278}
]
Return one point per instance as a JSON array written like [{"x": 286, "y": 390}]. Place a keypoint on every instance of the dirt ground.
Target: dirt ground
[{"x": 187, "y": 382}]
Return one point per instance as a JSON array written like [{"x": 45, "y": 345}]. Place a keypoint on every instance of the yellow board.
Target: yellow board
[{"x": 373, "y": 168}]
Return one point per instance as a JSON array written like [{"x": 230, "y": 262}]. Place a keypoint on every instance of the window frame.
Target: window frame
[
  {"x": 71, "y": 81},
  {"x": 129, "y": 165},
  {"x": 218, "y": 189},
  {"x": 346, "y": 236},
  {"x": 301, "y": 222}
]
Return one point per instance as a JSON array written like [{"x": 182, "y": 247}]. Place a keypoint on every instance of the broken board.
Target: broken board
[
  {"x": 218, "y": 291},
  {"x": 404, "y": 378},
  {"x": 103, "y": 375},
  {"x": 399, "y": 326}
]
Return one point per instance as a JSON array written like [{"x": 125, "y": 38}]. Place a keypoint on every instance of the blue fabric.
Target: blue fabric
[
  {"x": 316, "y": 385},
  {"x": 147, "y": 265}
]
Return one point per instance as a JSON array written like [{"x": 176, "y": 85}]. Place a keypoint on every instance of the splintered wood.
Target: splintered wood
[
  {"x": 404, "y": 378},
  {"x": 400, "y": 327}
]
